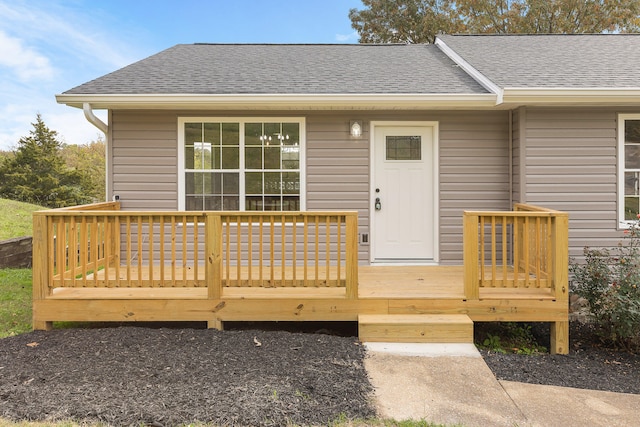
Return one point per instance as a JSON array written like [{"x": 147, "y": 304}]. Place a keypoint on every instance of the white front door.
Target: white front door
[{"x": 403, "y": 194}]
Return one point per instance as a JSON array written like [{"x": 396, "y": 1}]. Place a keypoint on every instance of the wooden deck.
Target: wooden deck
[{"x": 218, "y": 267}]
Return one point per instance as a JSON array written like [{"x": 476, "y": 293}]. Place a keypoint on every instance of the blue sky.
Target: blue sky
[{"x": 50, "y": 46}]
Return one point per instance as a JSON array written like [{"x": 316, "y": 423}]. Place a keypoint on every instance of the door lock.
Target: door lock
[{"x": 378, "y": 204}]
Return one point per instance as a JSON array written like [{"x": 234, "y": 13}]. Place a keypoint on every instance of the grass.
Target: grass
[
  {"x": 15, "y": 219},
  {"x": 15, "y": 301}
]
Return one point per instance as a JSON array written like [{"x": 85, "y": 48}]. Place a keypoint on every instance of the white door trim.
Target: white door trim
[{"x": 434, "y": 125}]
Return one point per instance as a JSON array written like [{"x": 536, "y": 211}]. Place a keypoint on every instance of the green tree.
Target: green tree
[
  {"x": 419, "y": 21},
  {"x": 38, "y": 174},
  {"x": 90, "y": 159}
]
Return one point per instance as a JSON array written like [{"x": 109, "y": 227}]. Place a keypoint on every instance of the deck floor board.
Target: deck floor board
[{"x": 375, "y": 282}]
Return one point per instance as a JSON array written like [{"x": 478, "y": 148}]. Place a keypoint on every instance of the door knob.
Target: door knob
[{"x": 378, "y": 204}]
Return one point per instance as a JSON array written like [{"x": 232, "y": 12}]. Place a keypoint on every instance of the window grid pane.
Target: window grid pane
[
  {"x": 631, "y": 169},
  {"x": 271, "y": 159}
]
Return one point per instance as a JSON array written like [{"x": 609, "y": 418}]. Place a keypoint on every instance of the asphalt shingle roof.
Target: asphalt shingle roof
[
  {"x": 289, "y": 69},
  {"x": 553, "y": 61}
]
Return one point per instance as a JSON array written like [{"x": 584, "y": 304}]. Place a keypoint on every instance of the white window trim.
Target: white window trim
[
  {"x": 242, "y": 121},
  {"x": 622, "y": 118}
]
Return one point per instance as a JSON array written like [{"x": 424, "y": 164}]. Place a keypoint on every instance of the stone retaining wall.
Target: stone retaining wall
[{"x": 16, "y": 253}]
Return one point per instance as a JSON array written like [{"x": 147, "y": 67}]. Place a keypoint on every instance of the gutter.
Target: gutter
[
  {"x": 277, "y": 101},
  {"x": 571, "y": 96},
  {"x": 88, "y": 114}
]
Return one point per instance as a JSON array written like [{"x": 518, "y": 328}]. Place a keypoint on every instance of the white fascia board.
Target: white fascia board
[
  {"x": 471, "y": 70},
  {"x": 277, "y": 101},
  {"x": 572, "y": 96}
]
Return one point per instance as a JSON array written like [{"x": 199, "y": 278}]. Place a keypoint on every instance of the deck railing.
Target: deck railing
[
  {"x": 102, "y": 246},
  {"x": 526, "y": 248}
]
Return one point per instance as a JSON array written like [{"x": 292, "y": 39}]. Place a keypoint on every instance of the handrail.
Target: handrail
[
  {"x": 102, "y": 246},
  {"x": 524, "y": 248}
]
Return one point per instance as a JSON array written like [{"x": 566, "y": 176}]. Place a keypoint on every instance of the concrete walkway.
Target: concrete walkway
[{"x": 451, "y": 384}]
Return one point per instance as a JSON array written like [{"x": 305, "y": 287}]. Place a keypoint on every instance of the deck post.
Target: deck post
[
  {"x": 560, "y": 239},
  {"x": 213, "y": 269},
  {"x": 213, "y": 244},
  {"x": 351, "y": 256},
  {"x": 40, "y": 275},
  {"x": 470, "y": 255}
]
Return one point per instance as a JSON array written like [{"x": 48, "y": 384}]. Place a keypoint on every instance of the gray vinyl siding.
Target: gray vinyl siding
[
  {"x": 474, "y": 172},
  {"x": 143, "y": 158},
  {"x": 516, "y": 129},
  {"x": 473, "y": 163},
  {"x": 571, "y": 157}
]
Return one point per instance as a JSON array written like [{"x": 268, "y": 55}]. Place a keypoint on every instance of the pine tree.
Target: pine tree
[{"x": 38, "y": 174}]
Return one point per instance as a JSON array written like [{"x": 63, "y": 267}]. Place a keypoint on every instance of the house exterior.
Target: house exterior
[{"x": 409, "y": 136}]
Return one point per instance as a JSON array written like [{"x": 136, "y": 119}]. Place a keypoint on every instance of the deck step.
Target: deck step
[{"x": 418, "y": 328}]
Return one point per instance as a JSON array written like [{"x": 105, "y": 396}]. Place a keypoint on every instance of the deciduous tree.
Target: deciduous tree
[{"x": 419, "y": 21}]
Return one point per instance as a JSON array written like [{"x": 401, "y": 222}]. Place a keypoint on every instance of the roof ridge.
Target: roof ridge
[
  {"x": 309, "y": 44},
  {"x": 536, "y": 34}
]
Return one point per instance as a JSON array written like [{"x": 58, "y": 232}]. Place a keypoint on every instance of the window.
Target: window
[
  {"x": 629, "y": 167},
  {"x": 241, "y": 164},
  {"x": 404, "y": 148}
]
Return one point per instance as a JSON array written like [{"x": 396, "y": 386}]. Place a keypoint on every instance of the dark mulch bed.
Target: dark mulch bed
[
  {"x": 132, "y": 375},
  {"x": 169, "y": 376},
  {"x": 589, "y": 364}
]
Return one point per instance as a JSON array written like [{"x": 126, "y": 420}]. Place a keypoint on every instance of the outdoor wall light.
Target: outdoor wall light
[{"x": 355, "y": 127}]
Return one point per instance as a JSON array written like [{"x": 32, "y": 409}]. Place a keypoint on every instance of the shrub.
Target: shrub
[{"x": 609, "y": 281}]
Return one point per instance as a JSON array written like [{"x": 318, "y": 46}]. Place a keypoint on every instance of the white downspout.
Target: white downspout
[
  {"x": 91, "y": 118},
  {"x": 88, "y": 113}
]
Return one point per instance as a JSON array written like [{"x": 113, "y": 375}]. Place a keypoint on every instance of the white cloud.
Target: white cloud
[
  {"x": 26, "y": 63},
  {"x": 70, "y": 123},
  {"x": 343, "y": 38},
  {"x": 64, "y": 28}
]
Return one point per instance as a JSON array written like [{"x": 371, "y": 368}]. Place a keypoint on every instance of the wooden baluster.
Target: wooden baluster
[
  {"x": 505, "y": 261},
  {"x": 294, "y": 248},
  {"x": 339, "y": 251},
  {"x": 228, "y": 250},
  {"x": 73, "y": 249},
  {"x": 283, "y": 250},
  {"x": 516, "y": 250},
  {"x": 185, "y": 249},
  {"x": 128, "y": 244},
  {"x": 116, "y": 254},
  {"x": 317, "y": 251},
  {"x": 482, "y": 251},
  {"x": 238, "y": 250},
  {"x": 527, "y": 249},
  {"x": 271, "y": 255},
  {"x": 250, "y": 249},
  {"x": 139, "y": 223},
  {"x": 196, "y": 251},
  {"x": 305, "y": 250},
  {"x": 106, "y": 250},
  {"x": 261, "y": 250},
  {"x": 173, "y": 250},
  {"x": 151, "y": 250},
  {"x": 83, "y": 250},
  {"x": 493, "y": 252},
  {"x": 327, "y": 244},
  {"x": 95, "y": 231},
  {"x": 161, "y": 247},
  {"x": 538, "y": 253}
]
